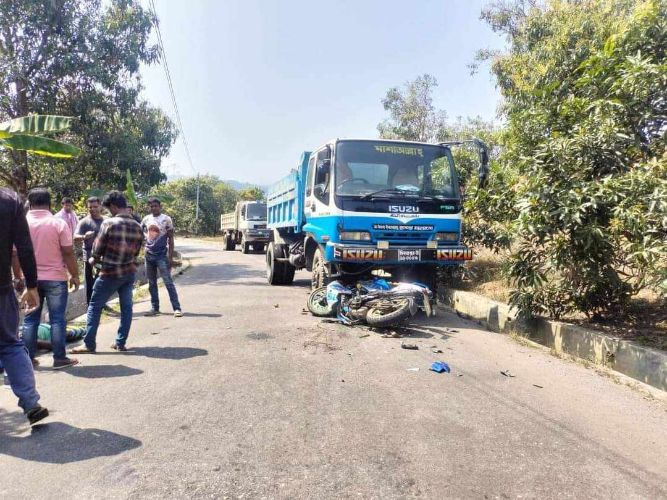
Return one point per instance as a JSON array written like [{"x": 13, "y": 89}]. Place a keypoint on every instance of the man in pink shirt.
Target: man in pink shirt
[
  {"x": 67, "y": 213},
  {"x": 54, "y": 253}
]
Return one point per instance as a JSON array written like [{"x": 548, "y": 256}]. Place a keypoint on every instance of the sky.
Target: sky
[{"x": 259, "y": 81}]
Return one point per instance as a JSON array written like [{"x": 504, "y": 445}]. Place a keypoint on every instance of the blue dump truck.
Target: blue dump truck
[{"x": 356, "y": 206}]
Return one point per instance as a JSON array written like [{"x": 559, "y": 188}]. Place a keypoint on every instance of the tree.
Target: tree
[
  {"x": 251, "y": 194},
  {"x": 215, "y": 198},
  {"x": 412, "y": 115},
  {"x": 82, "y": 58},
  {"x": 584, "y": 86}
]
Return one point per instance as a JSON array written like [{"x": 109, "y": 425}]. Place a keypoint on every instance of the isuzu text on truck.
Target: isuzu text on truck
[{"x": 355, "y": 206}]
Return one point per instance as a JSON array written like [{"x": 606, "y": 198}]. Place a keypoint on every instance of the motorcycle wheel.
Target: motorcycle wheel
[
  {"x": 388, "y": 312},
  {"x": 317, "y": 303}
]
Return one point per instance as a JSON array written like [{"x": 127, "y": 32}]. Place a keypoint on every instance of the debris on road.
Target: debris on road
[
  {"x": 440, "y": 366},
  {"x": 276, "y": 306},
  {"x": 413, "y": 369},
  {"x": 450, "y": 330},
  {"x": 436, "y": 351},
  {"x": 411, "y": 347},
  {"x": 538, "y": 386},
  {"x": 392, "y": 335},
  {"x": 507, "y": 373},
  {"x": 364, "y": 335}
]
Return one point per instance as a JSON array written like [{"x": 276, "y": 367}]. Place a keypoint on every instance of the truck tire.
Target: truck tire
[
  {"x": 278, "y": 273},
  {"x": 245, "y": 247},
  {"x": 227, "y": 242},
  {"x": 321, "y": 275}
]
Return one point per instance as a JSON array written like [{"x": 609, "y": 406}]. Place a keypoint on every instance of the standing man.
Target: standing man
[
  {"x": 159, "y": 232},
  {"x": 13, "y": 354},
  {"x": 116, "y": 248},
  {"x": 86, "y": 232},
  {"x": 67, "y": 214},
  {"x": 54, "y": 253}
]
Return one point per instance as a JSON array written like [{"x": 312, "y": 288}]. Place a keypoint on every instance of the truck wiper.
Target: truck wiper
[{"x": 387, "y": 191}]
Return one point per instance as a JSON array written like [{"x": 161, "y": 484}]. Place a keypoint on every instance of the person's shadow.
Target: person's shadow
[{"x": 59, "y": 443}]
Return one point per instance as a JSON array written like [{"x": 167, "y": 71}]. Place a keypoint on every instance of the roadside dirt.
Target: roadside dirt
[{"x": 645, "y": 320}]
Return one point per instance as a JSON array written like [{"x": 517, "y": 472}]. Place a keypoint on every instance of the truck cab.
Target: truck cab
[{"x": 369, "y": 205}]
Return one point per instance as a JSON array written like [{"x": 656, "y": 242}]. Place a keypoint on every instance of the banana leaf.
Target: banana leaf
[
  {"x": 40, "y": 145},
  {"x": 35, "y": 124}
]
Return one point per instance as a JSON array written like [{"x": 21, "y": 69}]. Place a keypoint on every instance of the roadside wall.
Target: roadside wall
[{"x": 641, "y": 363}]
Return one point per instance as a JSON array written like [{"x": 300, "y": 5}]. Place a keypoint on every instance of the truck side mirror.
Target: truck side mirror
[{"x": 483, "y": 162}]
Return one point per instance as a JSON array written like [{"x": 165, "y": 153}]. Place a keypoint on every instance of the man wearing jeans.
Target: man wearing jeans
[
  {"x": 13, "y": 354},
  {"x": 115, "y": 250},
  {"x": 86, "y": 232},
  {"x": 54, "y": 252},
  {"x": 159, "y": 233}
]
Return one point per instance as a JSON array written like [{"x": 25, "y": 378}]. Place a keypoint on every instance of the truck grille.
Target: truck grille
[
  {"x": 407, "y": 238},
  {"x": 260, "y": 226}
]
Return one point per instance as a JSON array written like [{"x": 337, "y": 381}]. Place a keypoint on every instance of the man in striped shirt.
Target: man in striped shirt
[{"x": 115, "y": 249}]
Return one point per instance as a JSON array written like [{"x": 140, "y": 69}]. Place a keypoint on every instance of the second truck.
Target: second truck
[{"x": 246, "y": 227}]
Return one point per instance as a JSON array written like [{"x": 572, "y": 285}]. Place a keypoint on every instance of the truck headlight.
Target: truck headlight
[
  {"x": 447, "y": 236},
  {"x": 355, "y": 235}
]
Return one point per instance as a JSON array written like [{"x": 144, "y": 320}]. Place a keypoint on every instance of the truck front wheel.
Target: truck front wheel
[
  {"x": 321, "y": 274},
  {"x": 245, "y": 247}
]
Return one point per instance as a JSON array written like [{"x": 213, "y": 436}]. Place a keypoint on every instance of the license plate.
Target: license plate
[{"x": 408, "y": 255}]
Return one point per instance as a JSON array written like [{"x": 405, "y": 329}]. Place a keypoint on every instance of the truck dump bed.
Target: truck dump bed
[
  {"x": 228, "y": 221},
  {"x": 285, "y": 198}
]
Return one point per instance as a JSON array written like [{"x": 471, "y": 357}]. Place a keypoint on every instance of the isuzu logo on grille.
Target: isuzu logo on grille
[{"x": 403, "y": 209}]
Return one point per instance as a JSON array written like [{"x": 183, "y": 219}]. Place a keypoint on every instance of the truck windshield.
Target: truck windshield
[
  {"x": 368, "y": 168},
  {"x": 256, "y": 211}
]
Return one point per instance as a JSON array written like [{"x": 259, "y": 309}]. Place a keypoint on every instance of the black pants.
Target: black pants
[{"x": 91, "y": 276}]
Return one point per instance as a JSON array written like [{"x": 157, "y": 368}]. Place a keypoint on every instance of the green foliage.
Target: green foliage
[
  {"x": 584, "y": 86},
  {"x": 251, "y": 194},
  {"x": 179, "y": 200},
  {"x": 81, "y": 58},
  {"x": 129, "y": 190}
]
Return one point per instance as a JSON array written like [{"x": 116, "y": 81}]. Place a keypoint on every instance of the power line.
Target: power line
[{"x": 179, "y": 122}]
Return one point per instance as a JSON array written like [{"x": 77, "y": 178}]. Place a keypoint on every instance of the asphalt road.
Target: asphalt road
[{"x": 246, "y": 397}]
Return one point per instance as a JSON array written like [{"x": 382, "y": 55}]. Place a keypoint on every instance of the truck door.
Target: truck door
[
  {"x": 319, "y": 194},
  {"x": 310, "y": 176}
]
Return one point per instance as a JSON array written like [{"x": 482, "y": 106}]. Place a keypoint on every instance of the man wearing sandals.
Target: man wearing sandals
[{"x": 115, "y": 250}]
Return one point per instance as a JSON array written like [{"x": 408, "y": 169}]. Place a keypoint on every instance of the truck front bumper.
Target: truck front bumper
[
  {"x": 258, "y": 236},
  {"x": 397, "y": 255}
]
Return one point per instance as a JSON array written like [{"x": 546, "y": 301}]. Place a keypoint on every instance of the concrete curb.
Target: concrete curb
[{"x": 640, "y": 363}]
